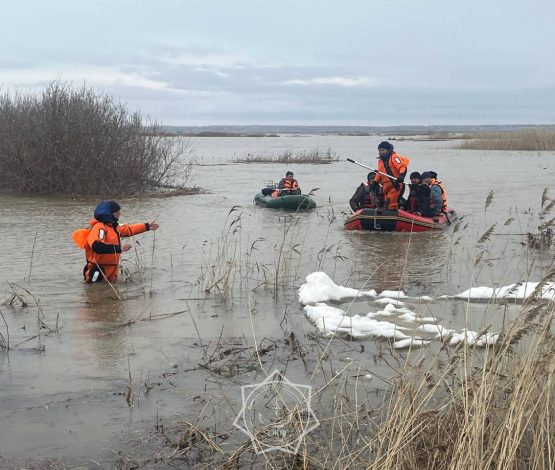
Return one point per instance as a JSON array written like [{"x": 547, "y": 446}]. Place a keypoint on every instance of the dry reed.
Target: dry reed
[
  {"x": 314, "y": 156},
  {"x": 530, "y": 139}
]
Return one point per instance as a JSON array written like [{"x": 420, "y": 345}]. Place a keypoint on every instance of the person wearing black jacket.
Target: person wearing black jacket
[{"x": 368, "y": 194}]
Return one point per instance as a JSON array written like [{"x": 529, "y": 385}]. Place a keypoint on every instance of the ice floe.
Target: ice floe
[
  {"x": 520, "y": 291},
  {"x": 331, "y": 320},
  {"x": 389, "y": 301},
  {"x": 410, "y": 343},
  {"x": 413, "y": 330},
  {"x": 320, "y": 288},
  {"x": 472, "y": 337}
]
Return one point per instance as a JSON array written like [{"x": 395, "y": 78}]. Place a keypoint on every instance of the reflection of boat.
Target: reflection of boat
[
  {"x": 290, "y": 201},
  {"x": 392, "y": 220}
]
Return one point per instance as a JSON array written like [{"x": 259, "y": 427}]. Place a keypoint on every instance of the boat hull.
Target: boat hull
[
  {"x": 293, "y": 202},
  {"x": 389, "y": 220}
]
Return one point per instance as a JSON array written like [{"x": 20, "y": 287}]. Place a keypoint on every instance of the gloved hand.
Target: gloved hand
[{"x": 401, "y": 179}]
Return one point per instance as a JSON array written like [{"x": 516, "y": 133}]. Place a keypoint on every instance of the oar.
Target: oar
[
  {"x": 444, "y": 212},
  {"x": 372, "y": 169},
  {"x": 312, "y": 191}
]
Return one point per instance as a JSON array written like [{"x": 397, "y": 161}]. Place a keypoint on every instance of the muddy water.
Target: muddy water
[{"x": 63, "y": 393}]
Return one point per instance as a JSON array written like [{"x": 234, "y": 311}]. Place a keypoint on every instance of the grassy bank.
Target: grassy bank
[{"x": 531, "y": 139}]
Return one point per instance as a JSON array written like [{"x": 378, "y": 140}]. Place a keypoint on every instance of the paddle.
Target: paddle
[
  {"x": 444, "y": 212},
  {"x": 372, "y": 169},
  {"x": 312, "y": 191}
]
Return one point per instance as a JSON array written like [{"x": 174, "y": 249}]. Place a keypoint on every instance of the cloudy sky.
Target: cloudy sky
[{"x": 342, "y": 62}]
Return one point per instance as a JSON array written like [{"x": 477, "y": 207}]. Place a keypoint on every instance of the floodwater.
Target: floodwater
[{"x": 63, "y": 392}]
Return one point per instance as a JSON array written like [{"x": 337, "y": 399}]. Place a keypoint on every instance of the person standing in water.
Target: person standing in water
[{"x": 102, "y": 242}]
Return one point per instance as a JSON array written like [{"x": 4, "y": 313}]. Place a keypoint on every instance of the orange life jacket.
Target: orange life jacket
[
  {"x": 110, "y": 235},
  {"x": 285, "y": 185},
  {"x": 443, "y": 194},
  {"x": 289, "y": 185},
  {"x": 395, "y": 166}
]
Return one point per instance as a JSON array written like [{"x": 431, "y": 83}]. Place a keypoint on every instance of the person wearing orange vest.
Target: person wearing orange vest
[
  {"x": 435, "y": 182},
  {"x": 287, "y": 185},
  {"x": 435, "y": 200},
  {"x": 367, "y": 195},
  {"x": 103, "y": 245},
  {"x": 394, "y": 165}
]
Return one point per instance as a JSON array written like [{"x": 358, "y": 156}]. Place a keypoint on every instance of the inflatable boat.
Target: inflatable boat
[
  {"x": 392, "y": 220},
  {"x": 290, "y": 201}
]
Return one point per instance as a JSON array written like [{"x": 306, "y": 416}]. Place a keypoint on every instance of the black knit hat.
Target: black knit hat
[{"x": 385, "y": 145}]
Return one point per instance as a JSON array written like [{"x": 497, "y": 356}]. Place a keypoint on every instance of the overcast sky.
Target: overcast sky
[{"x": 343, "y": 62}]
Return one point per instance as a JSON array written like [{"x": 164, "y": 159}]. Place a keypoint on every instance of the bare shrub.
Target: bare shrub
[{"x": 81, "y": 142}]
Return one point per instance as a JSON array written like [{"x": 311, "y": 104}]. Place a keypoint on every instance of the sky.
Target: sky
[{"x": 292, "y": 62}]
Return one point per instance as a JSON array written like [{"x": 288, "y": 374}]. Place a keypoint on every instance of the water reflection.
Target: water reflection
[
  {"x": 98, "y": 327},
  {"x": 414, "y": 263}
]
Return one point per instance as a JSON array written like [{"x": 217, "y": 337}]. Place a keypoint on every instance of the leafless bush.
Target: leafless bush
[{"x": 78, "y": 141}]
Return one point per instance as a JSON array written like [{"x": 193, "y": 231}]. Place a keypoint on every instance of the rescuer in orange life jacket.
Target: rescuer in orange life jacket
[
  {"x": 394, "y": 165},
  {"x": 287, "y": 185},
  {"x": 367, "y": 195},
  {"x": 102, "y": 242}
]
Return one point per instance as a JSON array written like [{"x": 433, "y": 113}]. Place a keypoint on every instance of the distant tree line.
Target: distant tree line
[{"x": 82, "y": 142}]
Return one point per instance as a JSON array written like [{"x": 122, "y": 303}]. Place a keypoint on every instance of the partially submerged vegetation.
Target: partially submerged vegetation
[
  {"x": 440, "y": 408},
  {"x": 528, "y": 139},
  {"x": 81, "y": 142},
  {"x": 314, "y": 156},
  {"x": 470, "y": 407}
]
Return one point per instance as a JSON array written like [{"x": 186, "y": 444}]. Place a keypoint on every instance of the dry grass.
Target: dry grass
[
  {"x": 468, "y": 408},
  {"x": 314, "y": 156},
  {"x": 231, "y": 262},
  {"x": 531, "y": 139}
]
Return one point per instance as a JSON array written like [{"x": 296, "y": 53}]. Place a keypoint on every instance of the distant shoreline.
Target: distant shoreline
[{"x": 355, "y": 131}]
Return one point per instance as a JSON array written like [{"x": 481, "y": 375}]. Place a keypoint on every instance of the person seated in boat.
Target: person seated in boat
[
  {"x": 411, "y": 203},
  {"x": 367, "y": 195},
  {"x": 395, "y": 165},
  {"x": 287, "y": 186},
  {"x": 439, "y": 184},
  {"x": 428, "y": 197}
]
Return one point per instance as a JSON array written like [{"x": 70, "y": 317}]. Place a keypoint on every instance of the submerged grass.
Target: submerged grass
[
  {"x": 468, "y": 407},
  {"x": 471, "y": 408}
]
